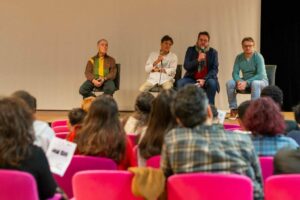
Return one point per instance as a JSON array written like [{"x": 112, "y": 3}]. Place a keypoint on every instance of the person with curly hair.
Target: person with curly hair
[
  {"x": 264, "y": 120},
  {"x": 17, "y": 151}
]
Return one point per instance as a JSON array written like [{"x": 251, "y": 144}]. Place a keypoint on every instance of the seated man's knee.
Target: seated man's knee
[
  {"x": 180, "y": 83},
  {"x": 109, "y": 87},
  {"x": 211, "y": 83},
  {"x": 256, "y": 83},
  {"x": 230, "y": 84}
]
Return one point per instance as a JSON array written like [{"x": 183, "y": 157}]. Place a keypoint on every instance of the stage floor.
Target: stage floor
[{"x": 51, "y": 115}]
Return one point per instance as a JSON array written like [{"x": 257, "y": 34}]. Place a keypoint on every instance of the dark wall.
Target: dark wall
[{"x": 280, "y": 45}]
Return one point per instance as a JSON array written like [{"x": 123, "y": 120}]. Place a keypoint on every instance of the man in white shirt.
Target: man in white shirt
[
  {"x": 161, "y": 66},
  {"x": 42, "y": 131}
]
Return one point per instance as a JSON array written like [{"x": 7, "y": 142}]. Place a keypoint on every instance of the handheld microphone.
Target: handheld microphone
[{"x": 202, "y": 62}]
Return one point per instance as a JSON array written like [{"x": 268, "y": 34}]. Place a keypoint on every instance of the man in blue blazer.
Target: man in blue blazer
[{"x": 201, "y": 65}]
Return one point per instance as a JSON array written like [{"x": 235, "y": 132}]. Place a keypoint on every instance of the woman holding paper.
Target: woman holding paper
[{"x": 17, "y": 151}]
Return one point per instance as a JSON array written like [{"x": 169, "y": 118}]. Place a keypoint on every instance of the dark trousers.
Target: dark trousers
[
  {"x": 210, "y": 87},
  {"x": 86, "y": 89}
]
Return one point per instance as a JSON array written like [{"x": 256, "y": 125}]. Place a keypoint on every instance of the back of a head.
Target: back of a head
[
  {"x": 263, "y": 117},
  {"x": 16, "y": 130},
  {"x": 143, "y": 102},
  {"x": 242, "y": 108},
  {"x": 297, "y": 113},
  {"x": 161, "y": 120},
  {"x": 274, "y": 92},
  {"x": 76, "y": 116},
  {"x": 27, "y": 97},
  {"x": 190, "y": 106}
]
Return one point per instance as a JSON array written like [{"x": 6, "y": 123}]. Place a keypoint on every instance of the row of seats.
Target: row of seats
[{"x": 113, "y": 185}]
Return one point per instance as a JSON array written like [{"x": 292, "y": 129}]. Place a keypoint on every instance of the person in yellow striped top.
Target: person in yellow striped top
[{"x": 100, "y": 72}]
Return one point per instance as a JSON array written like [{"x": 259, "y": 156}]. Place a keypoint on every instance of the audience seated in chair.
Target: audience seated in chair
[
  {"x": 189, "y": 147},
  {"x": 264, "y": 120},
  {"x": 295, "y": 134},
  {"x": 160, "y": 121},
  {"x": 137, "y": 123},
  {"x": 101, "y": 134},
  {"x": 17, "y": 149},
  {"x": 42, "y": 131},
  {"x": 75, "y": 120}
]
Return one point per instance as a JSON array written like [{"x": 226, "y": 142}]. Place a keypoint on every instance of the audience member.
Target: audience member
[
  {"x": 102, "y": 134},
  {"x": 160, "y": 122},
  {"x": 295, "y": 134},
  {"x": 196, "y": 147},
  {"x": 264, "y": 120},
  {"x": 75, "y": 120},
  {"x": 43, "y": 133},
  {"x": 17, "y": 151}
]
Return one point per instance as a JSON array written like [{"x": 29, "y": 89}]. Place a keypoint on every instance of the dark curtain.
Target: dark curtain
[{"x": 280, "y": 45}]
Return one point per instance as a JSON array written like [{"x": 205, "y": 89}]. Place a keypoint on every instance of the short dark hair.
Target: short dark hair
[
  {"x": 204, "y": 33},
  {"x": 143, "y": 102},
  {"x": 166, "y": 38},
  {"x": 248, "y": 39},
  {"x": 190, "y": 106},
  {"x": 297, "y": 113},
  {"x": 243, "y": 108},
  {"x": 101, "y": 41},
  {"x": 76, "y": 116},
  {"x": 274, "y": 92},
  {"x": 27, "y": 98}
]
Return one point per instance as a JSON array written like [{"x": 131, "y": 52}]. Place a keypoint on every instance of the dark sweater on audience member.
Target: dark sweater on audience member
[
  {"x": 295, "y": 134},
  {"x": 37, "y": 165},
  {"x": 287, "y": 161}
]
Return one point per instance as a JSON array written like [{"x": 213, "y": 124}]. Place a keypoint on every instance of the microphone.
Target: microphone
[{"x": 202, "y": 62}]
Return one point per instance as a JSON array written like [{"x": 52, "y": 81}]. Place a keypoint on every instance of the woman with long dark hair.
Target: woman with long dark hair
[
  {"x": 102, "y": 135},
  {"x": 17, "y": 151},
  {"x": 160, "y": 122}
]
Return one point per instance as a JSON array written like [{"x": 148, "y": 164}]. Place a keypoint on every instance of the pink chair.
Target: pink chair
[
  {"x": 133, "y": 138},
  {"x": 59, "y": 129},
  {"x": 62, "y": 135},
  {"x": 15, "y": 185},
  {"x": 231, "y": 127},
  {"x": 154, "y": 162},
  {"x": 282, "y": 187},
  {"x": 61, "y": 122},
  {"x": 103, "y": 184},
  {"x": 81, "y": 163},
  {"x": 266, "y": 165},
  {"x": 205, "y": 186}
]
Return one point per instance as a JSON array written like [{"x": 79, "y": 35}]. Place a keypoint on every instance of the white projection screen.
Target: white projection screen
[{"x": 44, "y": 45}]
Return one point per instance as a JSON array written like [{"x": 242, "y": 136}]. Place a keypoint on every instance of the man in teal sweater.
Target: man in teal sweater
[{"x": 254, "y": 76}]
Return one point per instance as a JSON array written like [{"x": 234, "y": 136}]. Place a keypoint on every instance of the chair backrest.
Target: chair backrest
[
  {"x": 207, "y": 186},
  {"x": 103, "y": 184},
  {"x": 177, "y": 76},
  {"x": 60, "y": 129},
  {"x": 231, "y": 127},
  {"x": 266, "y": 165},
  {"x": 60, "y": 122},
  {"x": 271, "y": 73},
  {"x": 117, "y": 79},
  {"x": 62, "y": 135},
  {"x": 282, "y": 187},
  {"x": 81, "y": 163},
  {"x": 154, "y": 161},
  {"x": 15, "y": 185}
]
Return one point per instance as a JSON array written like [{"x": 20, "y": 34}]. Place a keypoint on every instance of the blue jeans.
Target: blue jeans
[
  {"x": 256, "y": 87},
  {"x": 210, "y": 87}
]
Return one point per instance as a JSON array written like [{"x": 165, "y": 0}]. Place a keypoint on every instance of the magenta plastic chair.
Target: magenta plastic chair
[
  {"x": 61, "y": 122},
  {"x": 282, "y": 187},
  {"x": 133, "y": 138},
  {"x": 15, "y": 185},
  {"x": 266, "y": 165},
  {"x": 81, "y": 163},
  {"x": 60, "y": 129},
  {"x": 103, "y": 184},
  {"x": 205, "y": 186},
  {"x": 154, "y": 162},
  {"x": 232, "y": 127},
  {"x": 62, "y": 135}
]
